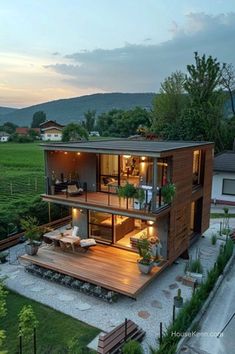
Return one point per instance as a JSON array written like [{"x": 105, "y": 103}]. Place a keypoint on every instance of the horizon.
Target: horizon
[{"x": 52, "y": 51}]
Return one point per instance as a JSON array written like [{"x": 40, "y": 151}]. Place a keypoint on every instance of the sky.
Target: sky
[{"x": 52, "y": 49}]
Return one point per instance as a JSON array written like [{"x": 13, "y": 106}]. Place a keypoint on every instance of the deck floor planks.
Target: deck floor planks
[{"x": 106, "y": 266}]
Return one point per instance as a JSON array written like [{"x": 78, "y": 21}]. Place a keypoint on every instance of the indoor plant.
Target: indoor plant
[
  {"x": 168, "y": 192},
  {"x": 145, "y": 263},
  {"x": 53, "y": 182},
  {"x": 33, "y": 233},
  {"x": 178, "y": 300}
]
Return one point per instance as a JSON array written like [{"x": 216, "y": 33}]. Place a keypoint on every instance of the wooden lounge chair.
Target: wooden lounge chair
[{"x": 113, "y": 341}]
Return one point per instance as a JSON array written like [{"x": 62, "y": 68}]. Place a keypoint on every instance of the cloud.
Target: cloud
[{"x": 141, "y": 67}]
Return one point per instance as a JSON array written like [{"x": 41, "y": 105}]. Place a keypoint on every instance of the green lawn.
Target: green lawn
[
  {"x": 22, "y": 171},
  {"x": 55, "y": 330}
]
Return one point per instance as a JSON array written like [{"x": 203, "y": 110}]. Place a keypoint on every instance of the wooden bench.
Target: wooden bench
[{"x": 113, "y": 341}]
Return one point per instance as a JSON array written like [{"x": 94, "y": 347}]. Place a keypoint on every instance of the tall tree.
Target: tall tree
[
  {"x": 228, "y": 82},
  {"x": 38, "y": 118},
  {"x": 204, "y": 115},
  {"x": 168, "y": 106},
  {"x": 89, "y": 122},
  {"x": 74, "y": 132}
]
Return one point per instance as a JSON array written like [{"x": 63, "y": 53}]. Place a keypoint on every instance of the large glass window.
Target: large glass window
[
  {"x": 196, "y": 167},
  {"x": 228, "y": 186},
  {"x": 108, "y": 172},
  {"x": 101, "y": 226}
]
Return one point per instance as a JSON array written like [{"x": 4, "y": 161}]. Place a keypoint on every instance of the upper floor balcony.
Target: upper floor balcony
[{"x": 123, "y": 182}]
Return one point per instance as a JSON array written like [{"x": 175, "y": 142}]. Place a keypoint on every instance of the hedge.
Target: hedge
[{"x": 192, "y": 307}]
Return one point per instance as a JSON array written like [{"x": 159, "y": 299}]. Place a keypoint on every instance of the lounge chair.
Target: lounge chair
[{"x": 74, "y": 190}]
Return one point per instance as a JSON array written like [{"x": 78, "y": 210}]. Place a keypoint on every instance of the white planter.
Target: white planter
[
  {"x": 197, "y": 276},
  {"x": 145, "y": 268}
]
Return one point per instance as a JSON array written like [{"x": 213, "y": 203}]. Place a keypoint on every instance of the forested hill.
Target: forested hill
[
  {"x": 73, "y": 109},
  {"x": 7, "y": 110}
]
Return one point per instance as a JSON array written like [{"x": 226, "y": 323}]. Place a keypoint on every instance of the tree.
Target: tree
[
  {"x": 27, "y": 325},
  {"x": 168, "y": 106},
  {"x": 228, "y": 82},
  {"x": 9, "y": 127},
  {"x": 38, "y": 118},
  {"x": 203, "y": 118},
  {"x": 74, "y": 132},
  {"x": 89, "y": 122}
]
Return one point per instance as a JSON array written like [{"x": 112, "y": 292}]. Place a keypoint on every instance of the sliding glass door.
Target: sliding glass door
[{"x": 101, "y": 226}]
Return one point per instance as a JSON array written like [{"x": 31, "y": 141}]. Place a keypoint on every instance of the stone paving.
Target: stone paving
[{"x": 153, "y": 305}]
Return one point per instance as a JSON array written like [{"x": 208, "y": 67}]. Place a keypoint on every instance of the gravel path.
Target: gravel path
[{"x": 153, "y": 305}]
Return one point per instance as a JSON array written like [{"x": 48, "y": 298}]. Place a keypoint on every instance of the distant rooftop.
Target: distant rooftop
[
  {"x": 122, "y": 145},
  {"x": 225, "y": 161}
]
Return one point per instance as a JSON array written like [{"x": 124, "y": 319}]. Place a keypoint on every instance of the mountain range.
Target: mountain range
[{"x": 69, "y": 110}]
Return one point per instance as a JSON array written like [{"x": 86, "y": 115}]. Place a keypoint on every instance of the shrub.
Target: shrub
[
  {"x": 132, "y": 347},
  {"x": 213, "y": 239},
  {"x": 191, "y": 308}
]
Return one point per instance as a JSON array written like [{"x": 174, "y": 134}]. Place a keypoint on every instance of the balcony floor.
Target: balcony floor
[
  {"x": 106, "y": 266},
  {"x": 100, "y": 199}
]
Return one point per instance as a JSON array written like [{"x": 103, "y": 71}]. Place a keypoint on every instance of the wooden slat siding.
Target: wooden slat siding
[
  {"x": 178, "y": 240},
  {"x": 179, "y": 229},
  {"x": 105, "y": 266},
  {"x": 207, "y": 186}
]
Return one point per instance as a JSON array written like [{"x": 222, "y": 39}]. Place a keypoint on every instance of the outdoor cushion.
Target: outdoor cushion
[
  {"x": 75, "y": 231},
  {"x": 87, "y": 242}
]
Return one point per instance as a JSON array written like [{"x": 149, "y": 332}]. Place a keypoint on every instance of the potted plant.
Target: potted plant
[
  {"x": 33, "y": 233},
  {"x": 3, "y": 257},
  {"x": 194, "y": 269},
  {"x": 128, "y": 191},
  {"x": 178, "y": 300},
  {"x": 168, "y": 192},
  {"x": 145, "y": 263},
  {"x": 139, "y": 197}
]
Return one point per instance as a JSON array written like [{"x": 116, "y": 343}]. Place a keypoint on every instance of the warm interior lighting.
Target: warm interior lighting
[
  {"x": 162, "y": 164},
  {"x": 126, "y": 156},
  {"x": 65, "y": 153},
  {"x": 143, "y": 158},
  {"x": 150, "y": 222},
  {"x": 78, "y": 153}
]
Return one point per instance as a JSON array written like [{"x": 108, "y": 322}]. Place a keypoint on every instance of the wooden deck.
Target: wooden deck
[{"x": 109, "y": 267}]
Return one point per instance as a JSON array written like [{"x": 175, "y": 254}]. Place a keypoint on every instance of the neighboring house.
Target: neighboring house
[
  {"x": 86, "y": 176},
  {"x": 4, "y": 137},
  {"x": 223, "y": 190},
  {"x": 51, "y": 130},
  {"x": 24, "y": 131}
]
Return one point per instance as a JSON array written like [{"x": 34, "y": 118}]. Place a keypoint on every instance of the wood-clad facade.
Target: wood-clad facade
[{"x": 187, "y": 165}]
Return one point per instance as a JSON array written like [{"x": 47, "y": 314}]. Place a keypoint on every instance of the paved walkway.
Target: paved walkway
[
  {"x": 219, "y": 313},
  {"x": 153, "y": 305}
]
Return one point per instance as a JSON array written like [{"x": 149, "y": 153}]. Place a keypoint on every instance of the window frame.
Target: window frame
[{"x": 227, "y": 179}]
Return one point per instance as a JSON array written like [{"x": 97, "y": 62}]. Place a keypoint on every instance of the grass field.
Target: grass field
[
  {"x": 55, "y": 331},
  {"x": 22, "y": 171}
]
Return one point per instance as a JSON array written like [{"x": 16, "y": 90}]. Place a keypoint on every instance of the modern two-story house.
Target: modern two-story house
[
  {"x": 87, "y": 177},
  {"x": 100, "y": 167}
]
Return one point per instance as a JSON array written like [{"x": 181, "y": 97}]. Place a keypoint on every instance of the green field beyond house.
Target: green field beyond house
[
  {"x": 56, "y": 332},
  {"x": 22, "y": 172}
]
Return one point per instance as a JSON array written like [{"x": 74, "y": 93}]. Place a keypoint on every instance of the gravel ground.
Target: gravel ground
[{"x": 153, "y": 305}]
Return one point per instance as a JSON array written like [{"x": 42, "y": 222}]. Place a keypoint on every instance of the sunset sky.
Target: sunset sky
[{"x": 53, "y": 49}]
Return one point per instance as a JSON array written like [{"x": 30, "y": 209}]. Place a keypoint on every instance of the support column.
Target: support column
[{"x": 154, "y": 195}]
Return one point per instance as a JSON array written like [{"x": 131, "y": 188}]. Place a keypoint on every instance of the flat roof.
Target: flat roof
[
  {"x": 123, "y": 145},
  {"x": 225, "y": 162}
]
